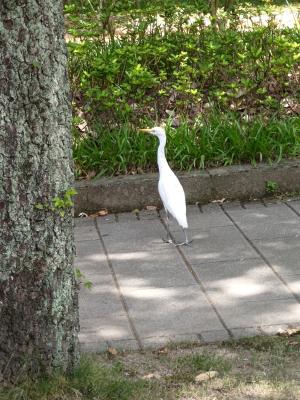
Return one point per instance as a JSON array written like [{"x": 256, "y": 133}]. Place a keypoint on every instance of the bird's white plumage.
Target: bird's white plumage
[
  {"x": 169, "y": 187},
  {"x": 172, "y": 196}
]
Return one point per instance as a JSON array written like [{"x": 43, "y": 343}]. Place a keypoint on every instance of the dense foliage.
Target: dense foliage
[{"x": 137, "y": 64}]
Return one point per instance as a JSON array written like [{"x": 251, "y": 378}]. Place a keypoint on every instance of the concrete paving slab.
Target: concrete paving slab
[
  {"x": 260, "y": 222},
  {"x": 99, "y": 301},
  {"x": 160, "y": 341},
  {"x": 214, "y": 336},
  {"x": 152, "y": 269},
  {"x": 202, "y": 218},
  {"x": 282, "y": 253},
  {"x": 92, "y": 347},
  {"x": 85, "y": 229},
  {"x": 227, "y": 282},
  {"x": 294, "y": 283},
  {"x": 258, "y": 313},
  {"x": 90, "y": 254},
  {"x": 146, "y": 215},
  {"x": 125, "y": 217},
  {"x": 295, "y": 205},
  {"x": 98, "y": 330},
  {"x": 213, "y": 216},
  {"x": 239, "y": 333},
  {"x": 143, "y": 292},
  {"x": 170, "y": 311},
  {"x": 217, "y": 244},
  {"x": 144, "y": 235},
  {"x": 124, "y": 345},
  {"x": 274, "y": 329},
  {"x": 102, "y": 297},
  {"x": 92, "y": 264}
]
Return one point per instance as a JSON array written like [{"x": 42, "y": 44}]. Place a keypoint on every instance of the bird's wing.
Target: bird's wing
[{"x": 173, "y": 197}]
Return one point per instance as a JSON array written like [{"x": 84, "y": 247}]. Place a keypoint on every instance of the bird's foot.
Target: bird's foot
[
  {"x": 168, "y": 240},
  {"x": 184, "y": 243}
]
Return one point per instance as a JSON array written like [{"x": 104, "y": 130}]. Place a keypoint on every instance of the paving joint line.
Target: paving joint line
[
  {"x": 266, "y": 261},
  {"x": 198, "y": 281},
  {"x": 121, "y": 296},
  {"x": 291, "y": 208},
  {"x": 226, "y": 260},
  {"x": 200, "y": 208}
]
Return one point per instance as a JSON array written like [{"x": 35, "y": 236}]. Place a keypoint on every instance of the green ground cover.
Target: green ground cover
[
  {"x": 231, "y": 86},
  {"x": 265, "y": 368}
]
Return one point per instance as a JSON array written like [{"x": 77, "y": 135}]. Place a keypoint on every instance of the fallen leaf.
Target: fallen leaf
[
  {"x": 289, "y": 332},
  {"x": 100, "y": 213},
  {"x": 206, "y": 376},
  {"x": 219, "y": 201},
  {"x": 103, "y": 212},
  {"x": 83, "y": 126},
  {"x": 151, "y": 208},
  {"x": 112, "y": 351},
  {"x": 162, "y": 350}
]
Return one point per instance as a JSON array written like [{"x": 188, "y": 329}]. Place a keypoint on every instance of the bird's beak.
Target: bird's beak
[{"x": 146, "y": 130}]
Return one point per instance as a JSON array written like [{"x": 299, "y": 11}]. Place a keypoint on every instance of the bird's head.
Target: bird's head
[{"x": 156, "y": 131}]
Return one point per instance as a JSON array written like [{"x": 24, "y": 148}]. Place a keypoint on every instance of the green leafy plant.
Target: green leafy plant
[
  {"x": 81, "y": 279},
  {"x": 271, "y": 187},
  {"x": 217, "y": 140},
  {"x": 153, "y": 69},
  {"x": 234, "y": 90},
  {"x": 59, "y": 204}
]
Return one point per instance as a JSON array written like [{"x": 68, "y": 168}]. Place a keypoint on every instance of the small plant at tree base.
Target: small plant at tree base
[
  {"x": 271, "y": 187},
  {"x": 59, "y": 204},
  {"x": 62, "y": 203},
  {"x": 82, "y": 279}
]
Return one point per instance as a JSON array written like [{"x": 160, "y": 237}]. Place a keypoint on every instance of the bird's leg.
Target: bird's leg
[
  {"x": 168, "y": 238},
  {"x": 187, "y": 241}
]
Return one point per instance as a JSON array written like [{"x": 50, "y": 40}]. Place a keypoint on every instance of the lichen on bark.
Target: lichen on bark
[{"x": 38, "y": 292}]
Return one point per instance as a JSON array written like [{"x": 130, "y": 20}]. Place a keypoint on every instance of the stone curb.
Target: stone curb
[{"x": 239, "y": 182}]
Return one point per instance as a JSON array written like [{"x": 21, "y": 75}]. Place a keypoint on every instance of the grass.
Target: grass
[
  {"x": 218, "y": 141},
  {"x": 92, "y": 380},
  {"x": 251, "y": 368}
]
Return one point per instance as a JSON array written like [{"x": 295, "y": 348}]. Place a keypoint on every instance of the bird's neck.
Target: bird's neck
[{"x": 161, "y": 157}]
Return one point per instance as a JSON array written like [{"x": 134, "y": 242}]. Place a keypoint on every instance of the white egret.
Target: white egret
[{"x": 169, "y": 187}]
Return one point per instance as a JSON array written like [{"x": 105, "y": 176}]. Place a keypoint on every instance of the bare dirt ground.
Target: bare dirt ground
[{"x": 257, "y": 368}]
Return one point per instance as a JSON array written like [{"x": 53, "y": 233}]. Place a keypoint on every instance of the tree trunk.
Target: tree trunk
[
  {"x": 228, "y": 5},
  {"x": 214, "y": 5},
  {"x": 38, "y": 292}
]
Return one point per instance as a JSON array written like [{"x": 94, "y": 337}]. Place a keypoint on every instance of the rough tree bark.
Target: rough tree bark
[{"x": 38, "y": 293}]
